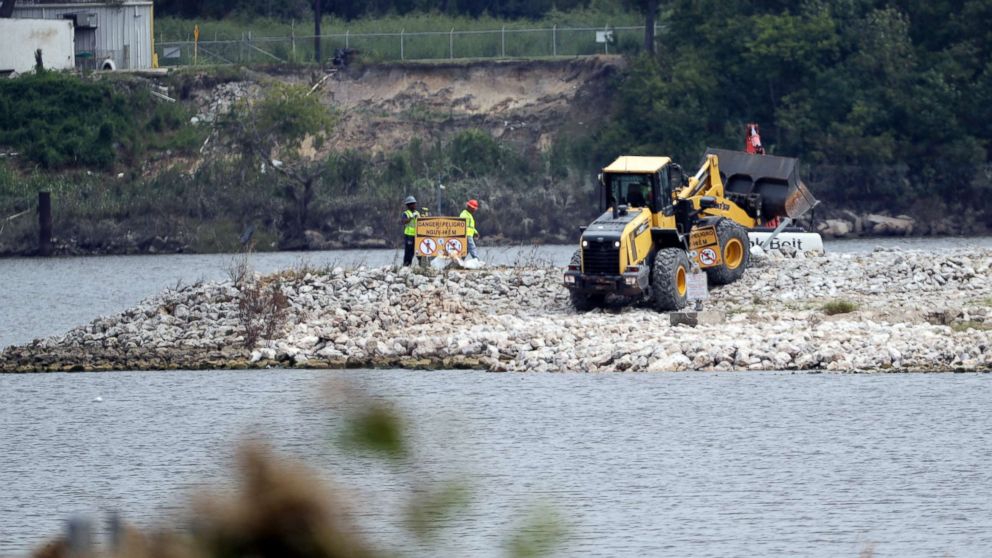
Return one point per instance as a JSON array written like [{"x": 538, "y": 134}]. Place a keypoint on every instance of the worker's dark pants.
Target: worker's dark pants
[{"x": 408, "y": 249}]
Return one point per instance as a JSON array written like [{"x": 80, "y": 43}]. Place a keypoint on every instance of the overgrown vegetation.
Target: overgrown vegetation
[
  {"x": 886, "y": 109},
  {"x": 284, "y": 131},
  {"x": 888, "y": 104},
  {"x": 58, "y": 120},
  {"x": 351, "y": 196}
]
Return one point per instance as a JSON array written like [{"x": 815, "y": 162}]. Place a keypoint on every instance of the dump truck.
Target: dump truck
[{"x": 658, "y": 224}]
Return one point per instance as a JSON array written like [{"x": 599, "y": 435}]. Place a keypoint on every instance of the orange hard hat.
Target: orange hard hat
[{"x": 472, "y": 204}]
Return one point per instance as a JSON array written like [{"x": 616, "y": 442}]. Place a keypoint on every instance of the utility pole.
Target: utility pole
[
  {"x": 651, "y": 11},
  {"x": 316, "y": 30}
]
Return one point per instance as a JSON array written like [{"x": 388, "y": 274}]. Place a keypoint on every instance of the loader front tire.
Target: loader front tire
[
  {"x": 583, "y": 302},
  {"x": 735, "y": 250},
  {"x": 668, "y": 279}
]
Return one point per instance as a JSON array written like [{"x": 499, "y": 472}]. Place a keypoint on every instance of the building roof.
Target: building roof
[{"x": 632, "y": 164}]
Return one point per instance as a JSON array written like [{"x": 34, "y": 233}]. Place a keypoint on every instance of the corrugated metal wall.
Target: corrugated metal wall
[{"x": 122, "y": 33}]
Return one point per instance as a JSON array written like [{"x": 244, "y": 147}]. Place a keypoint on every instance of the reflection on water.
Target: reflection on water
[
  {"x": 43, "y": 297},
  {"x": 704, "y": 464}
]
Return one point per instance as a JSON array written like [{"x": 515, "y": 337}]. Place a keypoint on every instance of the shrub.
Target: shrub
[
  {"x": 261, "y": 310},
  {"x": 840, "y": 306},
  {"x": 58, "y": 120},
  {"x": 262, "y": 305},
  {"x": 476, "y": 153}
]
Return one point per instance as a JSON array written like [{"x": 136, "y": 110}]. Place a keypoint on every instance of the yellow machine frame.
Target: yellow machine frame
[{"x": 707, "y": 183}]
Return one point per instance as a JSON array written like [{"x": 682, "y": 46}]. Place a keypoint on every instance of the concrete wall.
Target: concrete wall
[
  {"x": 19, "y": 38},
  {"x": 123, "y": 33}
]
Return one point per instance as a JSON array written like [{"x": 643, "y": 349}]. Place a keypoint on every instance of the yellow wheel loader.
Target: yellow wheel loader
[{"x": 658, "y": 223}]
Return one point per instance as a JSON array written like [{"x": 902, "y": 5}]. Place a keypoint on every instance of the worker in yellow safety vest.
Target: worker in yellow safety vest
[
  {"x": 469, "y": 215},
  {"x": 409, "y": 221}
]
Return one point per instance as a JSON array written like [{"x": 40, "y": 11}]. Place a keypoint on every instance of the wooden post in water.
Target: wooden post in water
[{"x": 44, "y": 223}]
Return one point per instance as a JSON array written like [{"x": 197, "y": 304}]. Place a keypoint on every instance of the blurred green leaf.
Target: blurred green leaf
[
  {"x": 429, "y": 510},
  {"x": 540, "y": 534},
  {"x": 377, "y": 429}
]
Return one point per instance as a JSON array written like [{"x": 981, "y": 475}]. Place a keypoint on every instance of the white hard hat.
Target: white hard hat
[{"x": 409, "y": 200}]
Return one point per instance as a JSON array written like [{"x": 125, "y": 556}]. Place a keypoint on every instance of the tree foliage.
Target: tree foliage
[
  {"x": 284, "y": 131},
  {"x": 886, "y": 102}
]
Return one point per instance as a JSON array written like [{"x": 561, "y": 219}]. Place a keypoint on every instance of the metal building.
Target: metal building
[{"x": 108, "y": 35}]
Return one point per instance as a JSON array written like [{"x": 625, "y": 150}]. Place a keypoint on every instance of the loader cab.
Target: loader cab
[
  {"x": 640, "y": 182},
  {"x": 632, "y": 190}
]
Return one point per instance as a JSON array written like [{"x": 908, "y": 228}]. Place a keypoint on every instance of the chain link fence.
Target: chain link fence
[{"x": 423, "y": 45}]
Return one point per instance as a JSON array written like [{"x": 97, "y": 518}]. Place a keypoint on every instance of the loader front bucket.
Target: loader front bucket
[{"x": 775, "y": 179}]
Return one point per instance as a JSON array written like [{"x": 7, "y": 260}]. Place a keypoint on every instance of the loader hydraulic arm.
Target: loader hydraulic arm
[
  {"x": 706, "y": 181},
  {"x": 705, "y": 192}
]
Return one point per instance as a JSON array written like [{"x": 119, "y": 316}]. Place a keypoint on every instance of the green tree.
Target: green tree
[
  {"x": 283, "y": 133},
  {"x": 887, "y": 103}
]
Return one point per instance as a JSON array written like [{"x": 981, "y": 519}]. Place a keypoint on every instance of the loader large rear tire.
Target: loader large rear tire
[
  {"x": 583, "y": 302},
  {"x": 735, "y": 249},
  {"x": 668, "y": 279}
]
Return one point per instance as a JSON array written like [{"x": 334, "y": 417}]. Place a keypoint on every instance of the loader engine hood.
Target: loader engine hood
[
  {"x": 776, "y": 179},
  {"x": 608, "y": 228}
]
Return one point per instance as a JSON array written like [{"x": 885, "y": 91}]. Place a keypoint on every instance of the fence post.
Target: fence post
[
  {"x": 347, "y": 38},
  {"x": 292, "y": 34},
  {"x": 451, "y": 44},
  {"x": 502, "y": 46},
  {"x": 44, "y": 223},
  {"x": 402, "y": 53},
  {"x": 554, "y": 40},
  {"x": 606, "y": 43}
]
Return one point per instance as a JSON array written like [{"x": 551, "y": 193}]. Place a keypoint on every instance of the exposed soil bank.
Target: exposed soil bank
[{"x": 915, "y": 311}]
